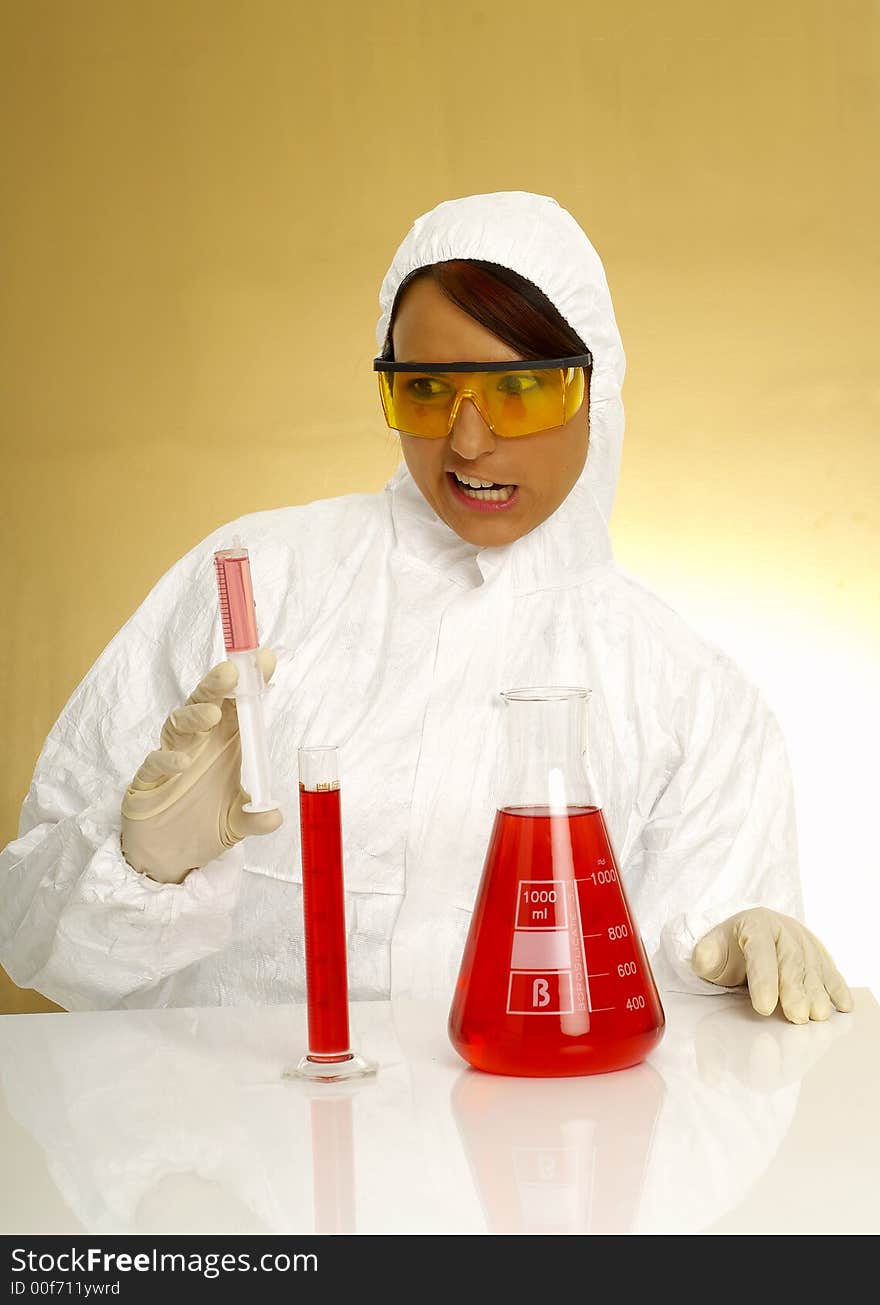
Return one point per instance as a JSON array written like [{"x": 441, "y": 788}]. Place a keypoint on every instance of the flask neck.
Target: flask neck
[{"x": 544, "y": 761}]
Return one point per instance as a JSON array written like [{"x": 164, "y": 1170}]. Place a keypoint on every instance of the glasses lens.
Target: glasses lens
[{"x": 513, "y": 403}]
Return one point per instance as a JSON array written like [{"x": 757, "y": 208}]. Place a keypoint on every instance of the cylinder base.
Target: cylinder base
[{"x": 331, "y": 1069}]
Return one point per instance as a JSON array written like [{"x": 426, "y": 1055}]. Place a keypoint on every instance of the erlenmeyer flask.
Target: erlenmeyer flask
[{"x": 554, "y": 979}]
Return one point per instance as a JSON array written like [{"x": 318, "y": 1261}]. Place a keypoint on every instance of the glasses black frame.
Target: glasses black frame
[{"x": 516, "y": 365}]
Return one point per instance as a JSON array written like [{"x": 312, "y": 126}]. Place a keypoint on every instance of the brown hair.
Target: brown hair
[{"x": 507, "y": 304}]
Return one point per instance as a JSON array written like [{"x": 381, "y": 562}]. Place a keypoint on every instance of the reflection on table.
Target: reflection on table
[{"x": 178, "y": 1121}]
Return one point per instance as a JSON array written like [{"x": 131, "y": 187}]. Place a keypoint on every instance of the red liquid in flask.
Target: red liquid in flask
[
  {"x": 324, "y": 911},
  {"x": 554, "y": 980}
]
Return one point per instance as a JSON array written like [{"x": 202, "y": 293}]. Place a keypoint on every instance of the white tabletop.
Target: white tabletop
[{"x": 177, "y": 1121}]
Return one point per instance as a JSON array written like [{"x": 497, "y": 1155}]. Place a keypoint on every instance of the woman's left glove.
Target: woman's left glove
[{"x": 779, "y": 959}]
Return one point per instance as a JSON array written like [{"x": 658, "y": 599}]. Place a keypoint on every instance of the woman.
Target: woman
[{"x": 396, "y": 619}]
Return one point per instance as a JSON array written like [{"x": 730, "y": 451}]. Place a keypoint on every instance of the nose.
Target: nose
[{"x": 470, "y": 435}]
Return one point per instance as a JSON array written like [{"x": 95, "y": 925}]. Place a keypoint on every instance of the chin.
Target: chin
[{"x": 490, "y": 536}]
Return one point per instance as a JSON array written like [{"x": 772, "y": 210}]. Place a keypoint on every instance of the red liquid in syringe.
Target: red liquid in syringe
[{"x": 324, "y": 912}]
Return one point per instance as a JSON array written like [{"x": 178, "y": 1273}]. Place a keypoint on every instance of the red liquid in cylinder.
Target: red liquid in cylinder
[
  {"x": 554, "y": 979},
  {"x": 324, "y": 911}
]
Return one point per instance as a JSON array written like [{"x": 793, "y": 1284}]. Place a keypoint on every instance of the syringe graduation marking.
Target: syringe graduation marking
[{"x": 223, "y": 592}]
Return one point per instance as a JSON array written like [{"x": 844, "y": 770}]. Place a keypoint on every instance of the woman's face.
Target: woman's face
[{"x": 429, "y": 328}]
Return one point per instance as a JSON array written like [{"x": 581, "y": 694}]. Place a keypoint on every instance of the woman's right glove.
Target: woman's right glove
[{"x": 184, "y": 805}]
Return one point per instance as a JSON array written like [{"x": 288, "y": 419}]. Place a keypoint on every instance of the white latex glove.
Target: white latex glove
[
  {"x": 779, "y": 959},
  {"x": 184, "y": 805}
]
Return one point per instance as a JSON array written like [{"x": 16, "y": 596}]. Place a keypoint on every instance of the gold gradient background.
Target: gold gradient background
[{"x": 202, "y": 200}]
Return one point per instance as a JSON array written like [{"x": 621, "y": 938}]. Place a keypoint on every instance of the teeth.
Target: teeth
[
  {"x": 473, "y": 487},
  {"x": 489, "y": 495},
  {"x": 470, "y": 480}
]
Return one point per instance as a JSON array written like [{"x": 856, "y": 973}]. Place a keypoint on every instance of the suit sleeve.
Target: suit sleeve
[
  {"x": 721, "y": 837},
  {"x": 77, "y": 922}
]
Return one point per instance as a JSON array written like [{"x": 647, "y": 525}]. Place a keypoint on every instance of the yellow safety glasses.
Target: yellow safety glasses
[{"x": 513, "y": 398}]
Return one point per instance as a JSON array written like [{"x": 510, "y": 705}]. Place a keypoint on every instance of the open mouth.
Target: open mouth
[{"x": 478, "y": 490}]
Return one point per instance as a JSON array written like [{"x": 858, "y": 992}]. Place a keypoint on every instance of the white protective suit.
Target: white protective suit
[{"x": 394, "y": 639}]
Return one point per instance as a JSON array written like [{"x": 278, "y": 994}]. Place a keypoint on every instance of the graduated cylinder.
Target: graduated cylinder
[
  {"x": 329, "y": 1057},
  {"x": 554, "y": 979}
]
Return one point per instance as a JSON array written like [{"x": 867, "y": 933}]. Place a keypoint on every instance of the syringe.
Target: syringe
[{"x": 239, "y": 617}]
